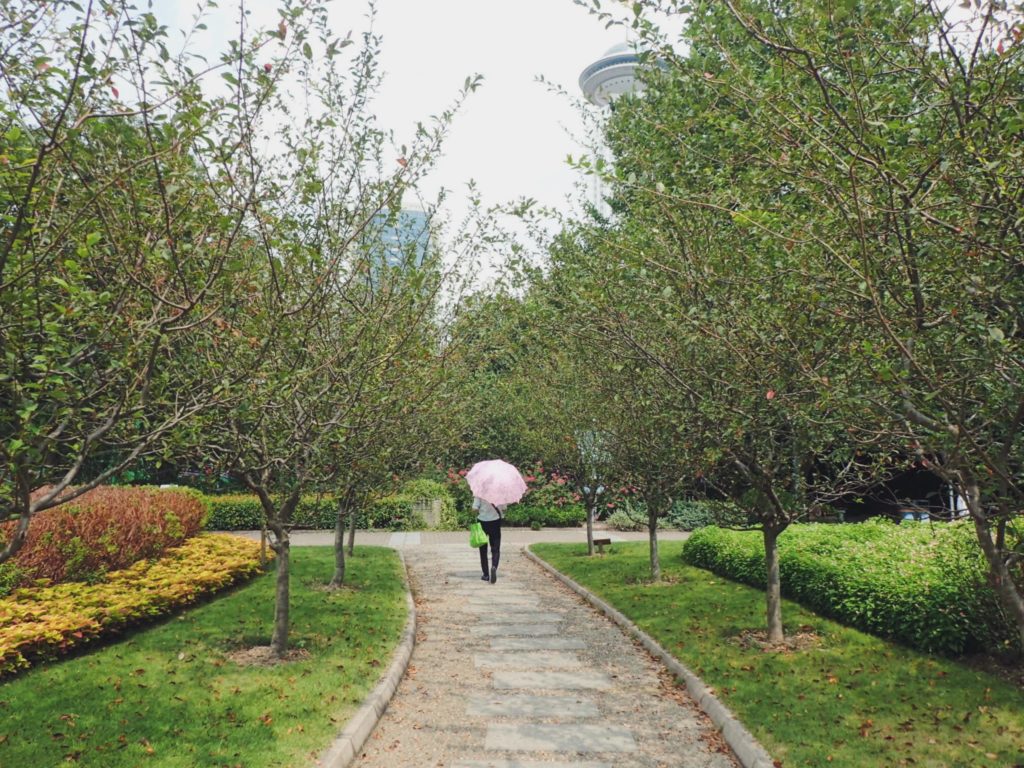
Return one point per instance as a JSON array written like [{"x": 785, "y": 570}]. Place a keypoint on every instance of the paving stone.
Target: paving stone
[
  {"x": 506, "y": 679},
  {"x": 537, "y": 644},
  {"x": 582, "y": 737},
  {"x": 527, "y": 660},
  {"x": 517, "y": 705},
  {"x": 523, "y": 764},
  {"x": 519, "y": 630},
  {"x": 400, "y": 540},
  {"x": 507, "y": 588},
  {"x": 504, "y": 598},
  {"x": 496, "y": 615},
  {"x": 440, "y": 715}
]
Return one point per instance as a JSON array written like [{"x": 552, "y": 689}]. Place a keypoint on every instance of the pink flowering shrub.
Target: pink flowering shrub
[
  {"x": 549, "y": 489},
  {"x": 551, "y": 498}
]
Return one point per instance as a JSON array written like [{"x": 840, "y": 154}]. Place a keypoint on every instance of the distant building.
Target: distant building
[
  {"x": 612, "y": 75},
  {"x": 400, "y": 239}
]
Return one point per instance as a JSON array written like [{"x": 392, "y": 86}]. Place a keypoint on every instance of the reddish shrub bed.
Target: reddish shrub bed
[
  {"x": 46, "y": 622},
  {"x": 103, "y": 530}
]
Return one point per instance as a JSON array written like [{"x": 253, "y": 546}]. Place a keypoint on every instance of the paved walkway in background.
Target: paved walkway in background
[
  {"x": 524, "y": 674},
  {"x": 509, "y": 537}
]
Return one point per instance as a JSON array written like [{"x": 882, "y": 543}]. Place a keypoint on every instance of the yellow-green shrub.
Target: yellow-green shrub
[{"x": 44, "y": 622}]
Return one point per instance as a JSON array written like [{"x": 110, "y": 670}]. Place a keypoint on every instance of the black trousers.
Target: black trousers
[{"x": 493, "y": 530}]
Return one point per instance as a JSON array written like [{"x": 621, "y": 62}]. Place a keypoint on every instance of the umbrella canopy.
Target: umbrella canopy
[{"x": 496, "y": 481}]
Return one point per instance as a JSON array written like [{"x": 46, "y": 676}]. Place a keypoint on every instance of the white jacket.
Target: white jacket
[{"x": 485, "y": 511}]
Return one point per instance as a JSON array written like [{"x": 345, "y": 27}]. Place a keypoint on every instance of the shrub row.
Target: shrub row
[
  {"x": 44, "y": 622},
  {"x": 565, "y": 516},
  {"x": 397, "y": 512},
  {"x": 242, "y": 512},
  {"x": 684, "y": 515},
  {"x": 103, "y": 530},
  {"x": 922, "y": 585},
  {"x": 697, "y": 514}
]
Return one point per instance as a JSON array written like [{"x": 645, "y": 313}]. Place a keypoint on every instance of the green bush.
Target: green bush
[
  {"x": 425, "y": 489},
  {"x": 630, "y": 517},
  {"x": 11, "y": 575},
  {"x": 232, "y": 512},
  {"x": 922, "y": 585},
  {"x": 393, "y": 513},
  {"x": 525, "y": 515},
  {"x": 243, "y": 512},
  {"x": 316, "y": 512},
  {"x": 693, "y": 515},
  {"x": 389, "y": 513}
]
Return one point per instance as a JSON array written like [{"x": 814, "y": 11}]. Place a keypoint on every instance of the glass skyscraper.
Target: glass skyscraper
[{"x": 403, "y": 237}]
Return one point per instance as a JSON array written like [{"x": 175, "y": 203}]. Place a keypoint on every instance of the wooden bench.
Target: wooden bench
[{"x": 601, "y": 544}]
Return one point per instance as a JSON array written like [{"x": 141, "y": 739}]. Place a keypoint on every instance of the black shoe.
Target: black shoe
[
  {"x": 494, "y": 574},
  {"x": 485, "y": 577}
]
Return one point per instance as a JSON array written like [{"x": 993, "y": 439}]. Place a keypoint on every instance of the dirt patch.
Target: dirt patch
[
  {"x": 262, "y": 656},
  {"x": 319, "y": 586},
  {"x": 803, "y": 640},
  {"x": 1009, "y": 668}
]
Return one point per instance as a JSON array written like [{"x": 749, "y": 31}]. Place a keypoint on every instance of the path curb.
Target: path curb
[
  {"x": 347, "y": 745},
  {"x": 742, "y": 742}
]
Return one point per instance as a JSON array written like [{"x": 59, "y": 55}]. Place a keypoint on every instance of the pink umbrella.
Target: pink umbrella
[{"x": 496, "y": 481}]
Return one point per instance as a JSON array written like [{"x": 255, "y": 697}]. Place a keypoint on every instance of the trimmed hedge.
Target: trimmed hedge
[
  {"x": 527, "y": 515},
  {"x": 239, "y": 512},
  {"x": 921, "y": 585},
  {"x": 243, "y": 512},
  {"x": 106, "y": 529},
  {"x": 45, "y": 622}
]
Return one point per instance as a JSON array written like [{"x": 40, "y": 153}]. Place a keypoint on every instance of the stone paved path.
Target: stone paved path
[{"x": 524, "y": 674}]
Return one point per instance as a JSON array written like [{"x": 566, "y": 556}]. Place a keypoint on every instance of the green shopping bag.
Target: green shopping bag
[{"x": 477, "y": 537}]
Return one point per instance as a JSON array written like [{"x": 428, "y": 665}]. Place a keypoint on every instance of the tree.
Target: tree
[
  {"x": 123, "y": 209},
  {"x": 318, "y": 344},
  {"x": 917, "y": 222},
  {"x": 873, "y": 154}
]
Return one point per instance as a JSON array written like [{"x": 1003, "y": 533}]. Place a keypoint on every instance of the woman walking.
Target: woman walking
[
  {"x": 489, "y": 516},
  {"x": 495, "y": 484}
]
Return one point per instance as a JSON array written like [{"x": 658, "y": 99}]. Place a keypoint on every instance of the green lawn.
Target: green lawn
[
  {"x": 850, "y": 700},
  {"x": 168, "y": 697}
]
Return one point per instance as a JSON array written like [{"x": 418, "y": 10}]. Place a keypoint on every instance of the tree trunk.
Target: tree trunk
[
  {"x": 652, "y": 532},
  {"x": 1002, "y": 579},
  {"x": 12, "y": 547},
  {"x": 339, "y": 547},
  {"x": 591, "y": 509},
  {"x": 352, "y": 530},
  {"x": 773, "y": 593},
  {"x": 263, "y": 545},
  {"x": 279, "y": 640}
]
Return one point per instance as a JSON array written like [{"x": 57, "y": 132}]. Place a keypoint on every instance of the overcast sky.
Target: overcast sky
[{"x": 513, "y": 134}]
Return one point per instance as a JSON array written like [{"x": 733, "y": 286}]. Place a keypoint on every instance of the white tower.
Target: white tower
[{"x": 611, "y": 76}]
